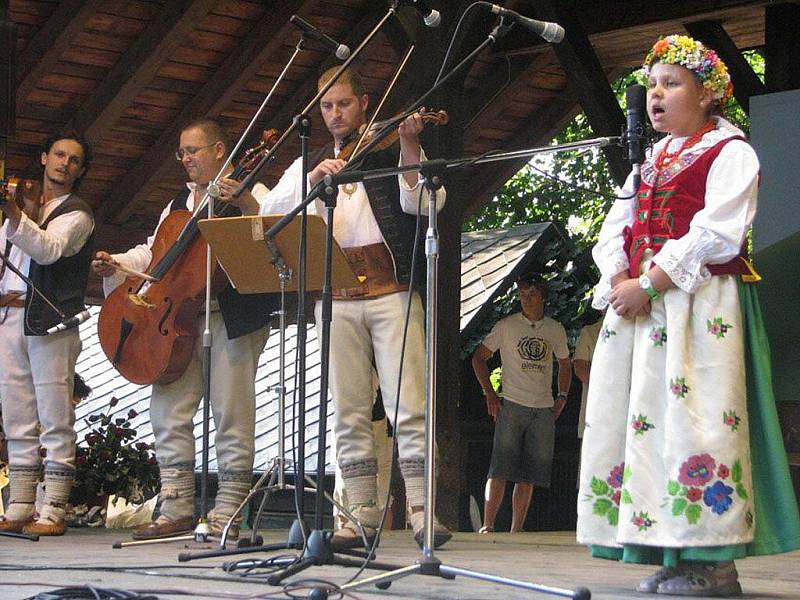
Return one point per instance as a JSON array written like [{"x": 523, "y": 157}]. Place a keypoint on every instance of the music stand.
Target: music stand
[{"x": 241, "y": 249}]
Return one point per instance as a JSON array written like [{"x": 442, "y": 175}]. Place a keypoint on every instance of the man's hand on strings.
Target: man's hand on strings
[{"x": 245, "y": 201}]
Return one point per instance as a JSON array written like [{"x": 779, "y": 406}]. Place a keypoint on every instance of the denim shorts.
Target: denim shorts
[{"x": 523, "y": 444}]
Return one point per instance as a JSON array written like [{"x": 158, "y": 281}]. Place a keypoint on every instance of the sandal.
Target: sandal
[{"x": 486, "y": 529}]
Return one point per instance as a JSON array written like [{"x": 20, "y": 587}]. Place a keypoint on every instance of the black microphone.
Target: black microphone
[
  {"x": 70, "y": 322},
  {"x": 430, "y": 17},
  {"x": 549, "y": 32},
  {"x": 635, "y": 106},
  {"x": 340, "y": 50}
]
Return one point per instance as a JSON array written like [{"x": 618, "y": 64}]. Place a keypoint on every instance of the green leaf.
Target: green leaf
[
  {"x": 673, "y": 487},
  {"x": 684, "y": 491},
  {"x": 741, "y": 491},
  {"x": 693, "y": 513},
  {"x": 736, "y": 472},
  {"x": 626, "y": 474},
  {"x": 613, "y": 516},
  {"x": 626, "y": 497},
  {"x": 601, "y": 506},
  {"x": 599, "y": 487},
  {"x": 678, "y": 506}
]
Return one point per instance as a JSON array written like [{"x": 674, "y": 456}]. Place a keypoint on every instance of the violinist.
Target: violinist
[
  {"x": 54, "y": 249},
  {"x": 375, "y": 225},
  {"x": 239, "y": 331}
]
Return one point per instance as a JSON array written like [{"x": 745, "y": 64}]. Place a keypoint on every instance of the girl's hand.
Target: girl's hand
[{"x": 629, "y": 300}]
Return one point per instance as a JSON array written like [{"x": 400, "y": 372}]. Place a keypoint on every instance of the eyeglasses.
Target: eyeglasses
[{"x": 181, "y": 152}]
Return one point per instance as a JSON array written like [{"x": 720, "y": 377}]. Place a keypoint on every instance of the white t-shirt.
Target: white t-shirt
[
  {"x": 526, "y": 351},
  {"x": 584, "y": 350}
]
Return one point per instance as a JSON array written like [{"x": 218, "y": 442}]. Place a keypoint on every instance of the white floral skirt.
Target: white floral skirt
[{"x": 666, "y": 455}]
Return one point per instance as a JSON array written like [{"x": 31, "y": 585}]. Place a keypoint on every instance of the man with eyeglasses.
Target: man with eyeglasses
[
  {"x": 239, "y": 330},
  {"x": 53, "y": 246}
]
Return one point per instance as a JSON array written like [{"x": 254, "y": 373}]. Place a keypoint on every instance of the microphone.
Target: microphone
[
  {"x": 549, "y": 32},
  {"x": 635, "y": 105},
  {"x": 340, "y": 50},
  {"x": 70, "y": 322},
  {"x": 430, "y": 17}
]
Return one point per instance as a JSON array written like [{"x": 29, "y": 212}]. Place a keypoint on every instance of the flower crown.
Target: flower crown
[{"x": 703, "y": 62}]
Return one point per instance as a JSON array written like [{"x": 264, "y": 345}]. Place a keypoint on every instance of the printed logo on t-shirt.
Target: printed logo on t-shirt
[{"x": 533, "y": 351}]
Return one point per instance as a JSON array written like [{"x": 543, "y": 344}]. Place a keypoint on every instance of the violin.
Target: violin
[
  {"x": 355, "y": 143},
  {"x": 27, "y": 193},
  {"x": 147, "y": 324}
]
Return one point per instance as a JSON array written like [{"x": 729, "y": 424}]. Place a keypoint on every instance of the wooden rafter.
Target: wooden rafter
[
  {"x": 745, "y": 81},
  {"x": 587, "y": 77},
  {"x": 235, "y": 72},
  {"x": 135, "y": 69},
  {"x": 67, "y": 20}
]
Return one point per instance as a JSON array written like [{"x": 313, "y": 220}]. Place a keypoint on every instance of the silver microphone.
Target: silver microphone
[
  {"x": 549, "y": 32},
  {"x": 340, "y": 50},
  {"x": 430, "y": 17}
]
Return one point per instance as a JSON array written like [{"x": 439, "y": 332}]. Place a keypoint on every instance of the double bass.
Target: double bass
[{"x": 147, "y": 325}]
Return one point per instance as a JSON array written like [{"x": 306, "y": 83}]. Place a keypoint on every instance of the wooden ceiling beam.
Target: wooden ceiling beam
[
  {"x": 782, "y": 68},
  {"x": 745, "y": 81},
  {"x": 136, "y": 68},
  {"x": 44, "y": 49},
  {"x": 588, "y": 79},
  {"x": 262, "y": 41}
]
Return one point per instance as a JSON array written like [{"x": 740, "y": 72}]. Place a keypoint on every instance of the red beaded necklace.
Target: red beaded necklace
[{"x": 665, "y": 160}]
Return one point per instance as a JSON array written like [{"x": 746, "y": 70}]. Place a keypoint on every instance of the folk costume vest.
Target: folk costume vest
[
  {"x": 241, "y": 313},
  {"x": 667, "y": 201},
  {"x": 63, "y": 282},
  {"x": 397, "y": 227}
]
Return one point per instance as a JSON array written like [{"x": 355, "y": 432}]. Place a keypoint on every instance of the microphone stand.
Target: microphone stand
[
  {"x": 317, "y": 550},
  {"x": 432, "y": 171},
  {"x": 428, "y": 563}
]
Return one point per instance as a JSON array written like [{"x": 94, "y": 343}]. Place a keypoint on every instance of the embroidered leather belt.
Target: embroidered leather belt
[
  {"x": 14, "y": 300},
  {"x": 374, "y": 268}
]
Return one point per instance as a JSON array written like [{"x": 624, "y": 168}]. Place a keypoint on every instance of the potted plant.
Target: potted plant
[{"x": 109, "y": 462}]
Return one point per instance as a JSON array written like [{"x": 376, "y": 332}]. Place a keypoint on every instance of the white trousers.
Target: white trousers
[
  {"x": 36, "y": 378},
  {"x": 361, "y": 329},
  {"x": 233, "y": 373}
]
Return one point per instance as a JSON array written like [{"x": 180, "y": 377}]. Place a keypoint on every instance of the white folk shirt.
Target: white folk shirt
[
  {"x": 65, "y": 236},
  {"x": 716, "y": 232},
  {"x": 526, "y": 351},
  {"x": 138, "y": 258},
  {"x": 353, "y": 221}
]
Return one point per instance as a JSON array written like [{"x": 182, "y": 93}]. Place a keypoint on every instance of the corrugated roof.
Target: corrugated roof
[{"x": 490, "y": 261}]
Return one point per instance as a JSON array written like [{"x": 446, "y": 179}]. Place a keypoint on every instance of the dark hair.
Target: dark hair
[
  {"x": 534, "y": 280},
  {"x": 210, "y": 128},
  {"x": 80, "y": 389},
  {"x": 70, "y": 134}
]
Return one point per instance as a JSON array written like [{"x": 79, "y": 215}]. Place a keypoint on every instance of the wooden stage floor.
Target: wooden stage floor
[{"x": 85, "y": 556}]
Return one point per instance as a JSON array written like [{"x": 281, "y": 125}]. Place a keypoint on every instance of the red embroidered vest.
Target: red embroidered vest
[{"x": 664, "y": 212}]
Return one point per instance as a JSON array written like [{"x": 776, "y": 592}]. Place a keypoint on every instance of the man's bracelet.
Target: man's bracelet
[{"x": 561, "y": 395}]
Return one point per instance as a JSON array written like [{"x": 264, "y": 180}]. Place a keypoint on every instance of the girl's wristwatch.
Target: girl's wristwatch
[{"x": 647, "y": 285}]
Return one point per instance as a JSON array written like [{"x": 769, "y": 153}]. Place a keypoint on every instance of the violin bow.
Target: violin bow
[{"x": 383, "y": 100}]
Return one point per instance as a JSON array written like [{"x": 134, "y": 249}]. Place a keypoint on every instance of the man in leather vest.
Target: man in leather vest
[
  {"x": 239, "y": 331},
  {"x": 375, "y": 226},
  {"x": 53, "y": 248}
]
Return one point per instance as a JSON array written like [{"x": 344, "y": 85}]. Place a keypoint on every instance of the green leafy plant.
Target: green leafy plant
[{"x": 109, "y": 462}]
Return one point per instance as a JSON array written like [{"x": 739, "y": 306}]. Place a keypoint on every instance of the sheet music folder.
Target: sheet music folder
[{"x": 238, "y": 243}]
